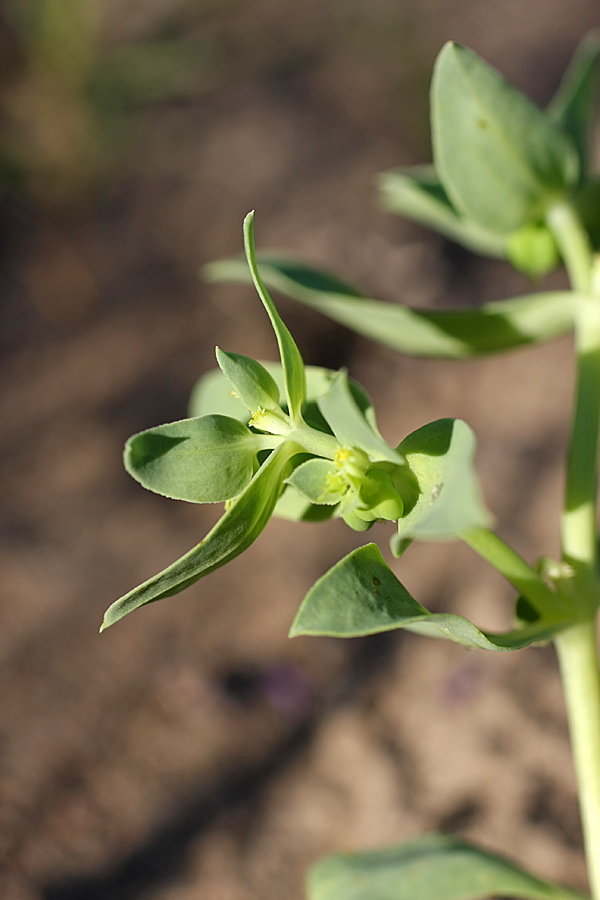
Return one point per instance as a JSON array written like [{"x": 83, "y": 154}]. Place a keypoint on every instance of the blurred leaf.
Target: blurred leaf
[
  {"x": 417, "y": 193},
  {"x": 448, "y": 502},
  {"x": 235, "y": 531},
  {"x": 436, "y": 867},
  {"x": 205, "y": 460},
  {"x": 532, "y": 250},
  {"x": 360, "y": 595},
  {"x": 348, "y": 423},
  {"x": 587, "y": 204},
  {"x": 574, "y": 105},
  {"x": 502, "y": 161},
  {"x": 293, "y": 365},
  {"x": 454, "y": 334},
  {"x": 253, "y": 384}
]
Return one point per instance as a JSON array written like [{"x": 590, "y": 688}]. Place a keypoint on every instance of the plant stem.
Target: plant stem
[
  {"x": 518, "y": 572},
  {"x": 578, "y": 658},
  {"x": 578, "y": 526}
]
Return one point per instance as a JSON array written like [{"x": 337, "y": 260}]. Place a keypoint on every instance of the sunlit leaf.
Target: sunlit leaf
[
  {"x": 448, "y": 500},
  {"x": 293, "y": 366},
  {"x": 351, "y": 428},
  {"x": 253, "y": 384},
  {"x": 436, "y": 867},
  {"x": 361, "y": 595},
  {"x": 574, "y": 104},
  {"x": 418, "y": 194},
  {"x": 235, "y": 531},
  {"x": 204, "y": 460},
  {"x": 502, "y": 161},
  {"x": 455, "y": 334}
]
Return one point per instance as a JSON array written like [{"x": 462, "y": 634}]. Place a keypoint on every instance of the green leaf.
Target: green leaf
[
  {"x": 360, "y": 595},
  {"x": 234, "y": 532},
  {"x": 253, "y": 384},
  {"x": 587, "y": 205},
  {"x": 455, "y": 334},
  {"x": 206, "y": 460},
  {"x": 418, "y": 194},
  {"x": 295, "y": 508},
  {"x": 502, "y": 161},
  {"x": 448, "y": 499},
  {"x": 436, "y": 867},
  {"x": 345, "y": 418},
  {"x": 532, "y": 250},
  {"x": 293, "y": 366},
  {"x": 574, "y": 105},
  {"x": 312, "y": 478}
]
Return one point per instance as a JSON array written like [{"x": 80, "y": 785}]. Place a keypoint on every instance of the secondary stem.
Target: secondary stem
[{"x": 578, "y": 658}]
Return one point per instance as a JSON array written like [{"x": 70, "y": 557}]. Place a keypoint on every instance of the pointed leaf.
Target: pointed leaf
[
  {"x": 253, "y": 384},
  {"x": 293, "y": 366},
  {"x": 574, "y": 104},
  {"x": 436, "y": 867},
  {"x": 206, "y": 460},
  {"x": 418, "y": 194},
  {"x": 500, "y": 159},
  {"x": 455, "y": 334},
  {"x": 234, "y": 532},
  {"x": 351, "y": 428},
  {"x": 361, "y": 595}
]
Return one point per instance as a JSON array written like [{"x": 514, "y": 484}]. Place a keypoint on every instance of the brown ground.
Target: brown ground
[{"x": 193, "y": 751}]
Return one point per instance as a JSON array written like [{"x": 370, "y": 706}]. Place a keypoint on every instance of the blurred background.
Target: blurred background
[{"x": 193, "y": 751}]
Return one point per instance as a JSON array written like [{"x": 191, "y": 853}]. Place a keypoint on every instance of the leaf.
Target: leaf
[
  {"x": 351, "y": 428},
  {"x": 587, "y": 204},
  {"x": 206, "y": 460},
  {"x": 234, "y": 532},
  {"x": 435, "y": 867},
  {"x": 455, "y": 334},
  {"x": 532, "y": 250},
  {"x": 311, "y": 479},
  {"x": 448, "y": 501},
  {"x": 212, "y": 394},
  {"x": 417, "y": 193},
  {"x": 295, "y": 508},
  {"x": 293, "y": 366},
  {"x": 502, "y": 161},
  {"x": 360, "y": 595},
  {"x": 574, "y": 105},
  {"x": 253, "y": 384}
]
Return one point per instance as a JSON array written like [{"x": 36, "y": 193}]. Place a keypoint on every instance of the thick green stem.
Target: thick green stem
[
  {"x": 518, "y": 572},
  {"x": 578, "y": 526},
  {"x": 578, "y": 657}
]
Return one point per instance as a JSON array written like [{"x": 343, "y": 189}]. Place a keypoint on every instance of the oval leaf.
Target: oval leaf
[
  {"x": 311, "y": 479},
  {"x": 361, "y": 595},
  {"x": 234, "y": 532},
  {"x": 253, "y": 384},
  {"x": 206, "y": 460},
  {"x": 502, "y": 161},
  {"x": 452, "y": 334},
  {"x": 436, "y": 867},
  {"x": 448, "y": 501},
  {"x": 418, "y": 194}
]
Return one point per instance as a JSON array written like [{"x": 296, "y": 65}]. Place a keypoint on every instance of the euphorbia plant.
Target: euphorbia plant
[{"x": 510, "y": 181}]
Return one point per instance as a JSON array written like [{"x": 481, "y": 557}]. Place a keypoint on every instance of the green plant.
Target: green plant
[{"x": 508, "y": 181}]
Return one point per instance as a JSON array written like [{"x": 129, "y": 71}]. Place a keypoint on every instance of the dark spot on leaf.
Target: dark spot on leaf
[
  {"x": 483, "y": 124},
  {"x": 376, "y": 580}
]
